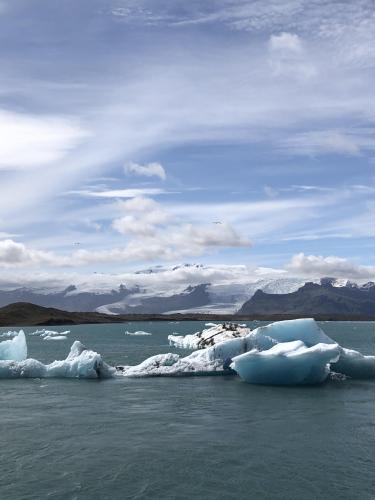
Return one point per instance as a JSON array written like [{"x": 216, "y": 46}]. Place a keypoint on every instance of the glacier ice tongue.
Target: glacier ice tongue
[
  {"x": 287, "y": 363},
  {"x": 15, "y": 348}
]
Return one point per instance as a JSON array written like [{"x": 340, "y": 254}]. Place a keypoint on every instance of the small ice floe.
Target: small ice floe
[
  {"x": 50, "y": 334},
  {"x": 210, "y": 336},
  {"x": 55, "y": 337},
  {"x": 9, "y": 334},
  {"x": 139, "y": 333},
  {"x": 37, "y": 332}
]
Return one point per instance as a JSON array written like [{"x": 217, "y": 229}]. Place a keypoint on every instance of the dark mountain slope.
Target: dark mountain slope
[{"x": 314, "y": 300}]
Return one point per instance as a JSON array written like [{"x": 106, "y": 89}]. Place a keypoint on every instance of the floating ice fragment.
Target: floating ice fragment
[
  {"x": 9, "y": 334},
  {"x": 354, "y": 364},
  {"x": 139, "y": 333},
  {"x": 15, "y": 348},
  {"x": 287, "y": 363},
  {"x": 209, "y": 337},
  {"x": 80, "y": 363},
  {"x": 55, "y": 337}
]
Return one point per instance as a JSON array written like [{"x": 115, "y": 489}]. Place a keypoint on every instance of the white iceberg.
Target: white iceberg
[
  {"x": 215, "y": 334},
  {"x": 80, "y": 363},
  {"x": 15, "y": 348}
]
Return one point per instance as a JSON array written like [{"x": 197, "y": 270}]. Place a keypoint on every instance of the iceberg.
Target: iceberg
[
  {"x": 80, "y": 363},
  {"x": 15, "y": 348},
  {"x": 215, "y": 334},
  {"x": 305, "y": 329},
  {"x": 287, "y": 363},
  {"x": 290, "y": 352},
  {"x": 355, "y": 365}
]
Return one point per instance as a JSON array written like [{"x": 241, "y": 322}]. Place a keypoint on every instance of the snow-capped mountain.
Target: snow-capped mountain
[{"x": 186, "y": 288}]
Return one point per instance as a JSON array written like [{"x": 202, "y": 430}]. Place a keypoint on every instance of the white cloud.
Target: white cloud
[
  {"x": 13, "y": 254},
  {"x": 288, "y": 58},
  {"x": 118, "y": 193},
  {"x": 36, "y": 140},
  {"x": 346, "y": 142},
  {"x": 317, "y": 265},
  {"x": 286, "y": 42},
  {"x": 149, "y": 170},
  {"x": 142, "y": 216}
]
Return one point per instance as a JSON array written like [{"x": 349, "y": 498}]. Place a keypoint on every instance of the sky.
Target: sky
[{"x": 225, "y": 132}]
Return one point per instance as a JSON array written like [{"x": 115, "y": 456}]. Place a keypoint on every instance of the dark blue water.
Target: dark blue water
[{"x": 183, "y": 438}]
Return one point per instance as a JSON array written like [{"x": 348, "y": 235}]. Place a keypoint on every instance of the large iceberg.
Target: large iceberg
[
  {"x": 287, "y": 363},
  {"x": 291, "y": 352}
]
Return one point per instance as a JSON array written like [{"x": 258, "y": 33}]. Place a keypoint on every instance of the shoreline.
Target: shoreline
[{"x": 27, "y": 314}]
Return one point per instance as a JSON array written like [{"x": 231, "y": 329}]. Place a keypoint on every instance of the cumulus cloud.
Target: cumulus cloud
[
  {"x": 142, "y": 216},
  {"x": 36, "y": 140},
  {"x": 148, "y": 221},
  {"x": 317, "y": 265},
  {"x": 14, "y": 254},
  {"x": 149, "y": 170}
]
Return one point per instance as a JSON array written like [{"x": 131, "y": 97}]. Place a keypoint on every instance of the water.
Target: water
[{"x": 183, "y": 438}]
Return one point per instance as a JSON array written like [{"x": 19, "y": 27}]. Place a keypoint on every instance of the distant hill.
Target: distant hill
[
  {"x": 317, "y": 300},
  {"x": 26, "y": 314},
  {"x": 69, "y": 299}
]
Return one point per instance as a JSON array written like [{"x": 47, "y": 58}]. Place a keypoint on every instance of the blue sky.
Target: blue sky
[{"x": 135, "y": 133}]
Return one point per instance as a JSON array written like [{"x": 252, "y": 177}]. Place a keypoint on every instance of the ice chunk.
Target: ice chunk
[
  {"x": 213, "y": 360},
  {"x": 55, "y": 337},
  {"x": 10, "y": 334},
  {"x": 139, "y": 333},
  {"x": 209, "y": 337},
  {"x": 287, "y": 363},
  {"x": 152, "y": 366},
  {"x": 80, "y": 363},
  {"x": 15, "y": 348},
  {"x": 305, "y": 329},
  {"x": 354, "y": 364}
]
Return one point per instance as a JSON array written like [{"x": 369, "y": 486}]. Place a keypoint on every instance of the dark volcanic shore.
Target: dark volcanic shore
[{"x": 26, "y": 314}]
